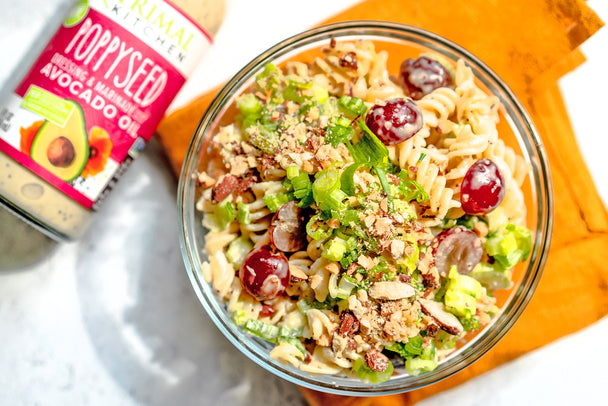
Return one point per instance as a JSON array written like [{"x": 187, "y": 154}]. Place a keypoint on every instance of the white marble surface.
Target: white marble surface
[{"x": 112, "y": 320}]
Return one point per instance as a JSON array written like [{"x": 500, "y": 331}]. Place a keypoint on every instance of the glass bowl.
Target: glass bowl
[{"x": 521, "y": 134}]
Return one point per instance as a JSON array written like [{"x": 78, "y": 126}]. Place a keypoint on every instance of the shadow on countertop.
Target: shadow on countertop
[{"x": 143, "y": 317}]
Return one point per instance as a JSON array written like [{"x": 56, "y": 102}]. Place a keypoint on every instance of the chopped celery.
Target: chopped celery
[
  {"x": 248, "y": 104},
  {"x": 287, "y": 332},
  {"x": 426, "y": 362},
  {"x": 414, "y": 366},
  {"x": 346, "y": 286},
  {"x": 238, "y": 249},
  {"x": 460, "y": 303},
  {"x": 471, "y": 324},
  {"x": 509, "y": 245},
  {"x": 262, "y": 138},
  {"x": 295, "y": 342},
  {"x": 366, "y": 373},
  {"x": 269, "y": 78},
  {"x": 273, "y": 202},
  {"x": 334, "y": 202},
  {"x": 261, "y": 329},
  {"x": 409, "y": 349},
  {"x": 303, "y": 305},
  {"x": 492, "y": 276},
  {"x": 319, "y": 93},
  {"x": 243, "y": 214},
  {"x": 292, "y": 171},
  {"x": 464, "y": 283},
  {"x": 239, "y": 317},
  {"x": 294, "y": 93},
  {"x": 334, "y": 249},
  {"x": 301, "y": 185},
  {"x": 224, "y": 213},
  {"x": 350, "y": 216}
]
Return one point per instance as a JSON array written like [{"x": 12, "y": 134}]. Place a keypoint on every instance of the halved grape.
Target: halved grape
[
  {"x": 482, "y": 188},
  {"x": 288, "y": 229},
  {"x": 395, "y": 121},
  {"x": 264, "y": 273},
  {"x": 423, "y": 75},
  {"x": 456, "y": 246}
]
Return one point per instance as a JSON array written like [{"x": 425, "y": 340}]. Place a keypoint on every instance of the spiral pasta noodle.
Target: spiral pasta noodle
[{"x": 328, "y": 227}]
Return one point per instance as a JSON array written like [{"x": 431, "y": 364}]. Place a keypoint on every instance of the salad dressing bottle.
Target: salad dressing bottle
[{"x": 91, "y": 101}]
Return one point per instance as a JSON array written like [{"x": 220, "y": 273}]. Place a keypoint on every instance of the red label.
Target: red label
[
  {"x": 122, "y": 85},
  {"x": 97, "y": 92}
]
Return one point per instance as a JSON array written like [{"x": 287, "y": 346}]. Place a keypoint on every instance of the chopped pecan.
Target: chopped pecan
[
  {"x": 349, "y": 60},
  {"x": 349, "y": 324},
  {"x": 405, "y": 278},
  {"x": 224, "y": 186},
  {"x": 245, "y": 184},
  {"x": 432, "y": 329},
  {"x": 205, "y": 180},
  {"x": 376, "y": 361}
]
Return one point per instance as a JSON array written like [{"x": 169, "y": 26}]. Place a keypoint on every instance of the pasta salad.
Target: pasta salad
[{"x": 361, "y": 220}]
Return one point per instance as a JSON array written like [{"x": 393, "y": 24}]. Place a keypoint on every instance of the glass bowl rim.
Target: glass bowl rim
[{"x": 513, "y": 308}]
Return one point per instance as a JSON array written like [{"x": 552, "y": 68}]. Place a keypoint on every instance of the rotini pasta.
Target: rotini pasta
[{"x": 359, "y": 214}]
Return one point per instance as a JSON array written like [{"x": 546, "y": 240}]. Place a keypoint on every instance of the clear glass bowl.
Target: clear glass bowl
[{"x": 407, "y": 41}]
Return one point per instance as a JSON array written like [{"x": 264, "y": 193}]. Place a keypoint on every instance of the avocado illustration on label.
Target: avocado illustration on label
[{"x": 64, "y": 151}]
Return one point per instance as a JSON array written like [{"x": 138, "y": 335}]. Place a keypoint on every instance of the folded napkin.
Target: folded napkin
[{"x": 530, "y": 44}]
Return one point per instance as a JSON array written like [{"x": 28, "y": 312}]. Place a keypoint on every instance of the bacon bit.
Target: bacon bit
[
  {"x": 332, "y": 43},
  {"x": 349, "y": 324},
  {"x": 225, "y": 185},
  {"x": 413, "y": 169},
  {"x": 349, "y": 60},
  {"x": 267, "y": 311},
  {"x": 376, "y": 361}
]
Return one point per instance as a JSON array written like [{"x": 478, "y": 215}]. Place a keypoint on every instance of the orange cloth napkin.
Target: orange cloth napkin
[{"x": 530, "y": 44}]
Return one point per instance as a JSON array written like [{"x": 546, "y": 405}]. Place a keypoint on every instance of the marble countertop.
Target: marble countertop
[{"x": 112, "y": 320}]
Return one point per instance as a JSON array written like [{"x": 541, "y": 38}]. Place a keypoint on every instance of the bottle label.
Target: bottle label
[{"x": 97, "y": 92}]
